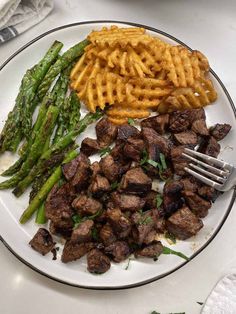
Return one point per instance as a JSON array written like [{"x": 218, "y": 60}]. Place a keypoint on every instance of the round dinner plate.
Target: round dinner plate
[{"x": 129, "y": 273}]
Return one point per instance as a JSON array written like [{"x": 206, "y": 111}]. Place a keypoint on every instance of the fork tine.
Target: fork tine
[
  {"x": 207, "y": 173},
  {"x": 205, "y": 180},
  {"x": 210, "y": 159},
  {"x": 207, "y": 166}
]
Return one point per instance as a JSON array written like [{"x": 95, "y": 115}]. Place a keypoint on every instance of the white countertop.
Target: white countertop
[{"x": 209, "y": 26}]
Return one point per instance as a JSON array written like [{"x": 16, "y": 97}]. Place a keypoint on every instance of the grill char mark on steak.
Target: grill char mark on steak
[
  {"x": 119, "y": 251},
  {"x": 42, "y": 241},
  {"x": 158, "y": 123},
  {"x": 186, "y": 138},
  {"x": 89, "y": 146},
  {"x": 219, "y": 131}
]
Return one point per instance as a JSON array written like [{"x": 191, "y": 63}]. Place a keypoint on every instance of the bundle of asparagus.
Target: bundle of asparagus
[{"x": 50, "y": 142}]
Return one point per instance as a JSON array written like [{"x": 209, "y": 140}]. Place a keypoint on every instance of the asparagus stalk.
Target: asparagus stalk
[
  {"x": 40, "y": 217},
  {"x": 36, "y": 149},
  {"x": 46, "y": 188}
]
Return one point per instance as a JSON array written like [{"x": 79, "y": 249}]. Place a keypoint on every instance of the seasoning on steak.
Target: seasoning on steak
[
  {"x": 184, "y": 224},
  {"x": 155, "y": 144},
  {"x": 119, "y": 251},
  {"x": 99, "y": 186},
  {"x": 82, "y": 175},
  {"x": 219, "y": 131},
  {"x": 60, "y": 231},
  {"x": 197, "y": 204},
  {"x": 107, "y": 235},
  {"x": 158, "y": 123},
  {"x": 106, "y": 132},
  {"x": 112, "y": 169},
  {"x": 127, "y": 202},
  {"x": 86, "y": 205},
  {"x": 125, "y": 131},
  {"x": 98, "y": 263},
  {"x": 210, "y": 147},
  {"x": 42, "y": 241},
  {"x": 179, "y": 121},
  {"x": 95, "y": 169},
  {"x": 144, "y": 223},
  {"x": 69, "y": 169},
  {"x": 200, "y": 127},
  {"x": 135, "y": 181},
  {"x": 196, "y": 114},
  {"x": 172, "y": 199},
  {"x": 133, "y": 148},
  {"x": 119, "y": 222},
  {"x": 83, "y": 233},
  {"x": 190, "y": 184},
  {"x": 186, "y": 138},
  {"x": 208, "y": 193},
  {"x": 159, "y": 220},
  {"x": 73, "y": 251},
  {"x": 150, "y": 200},
  {"x": 152, "y": 250},
  {"x": 179, "y": 162},
  {"x": 89, "y": 146}
]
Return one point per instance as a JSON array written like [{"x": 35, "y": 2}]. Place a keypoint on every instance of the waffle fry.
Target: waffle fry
[
  {"x": 117, "y": 120},
  {"x": 121, "y": 112}
]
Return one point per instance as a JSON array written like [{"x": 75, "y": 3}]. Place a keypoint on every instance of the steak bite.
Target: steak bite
[
  {"x": 98, "y": 263},
  {"x": 107, "y": 235},
  {"x": 150, "y": 200},
  {"x": 99, "y": 186},
  {"x": 135, "y": 181},
  {"x": 133, "y": 148},
  {"x": 197, "y": 204},
  {"x": 82, "y": 175},
  {"x": 42, "y": 241},
  {"x": 83, "y": 233},
  {"x": 112, "y": 169},
  {"x": 186, "y": 138},
  {"x": 127, "y": 202},
  {"x": 119, "y": 251},
  {"x": 86, "y": 205},
  {"x": 89, "y": 146},
  {"x": 152, "y": 250},
  {"x": 219, "y": 131},
  {"x": 200, "y": 127},
  {"x": 125, "y": 131},
  {"x": 179, "y": 121},
  {"x": 184, "y": 224},
  {"x": 119, "y": 222},
  {"x": 179, "y": 162},
  {"x": 190, "y": 184},
  {"x": 158, "y": 123},
  {"x": 69, "y": 169},
  {"x": 95, "y": 169},
  {"x": 172, "y": 199},
  {"x": 196, "y": 114},
  {"x": 144, "y": 223},
  {"x": 73, "y": 251},
  {"x": 208, "y": 193},
  {"x": 210, "y": 147},
  {"x": 106, "y": 132}
]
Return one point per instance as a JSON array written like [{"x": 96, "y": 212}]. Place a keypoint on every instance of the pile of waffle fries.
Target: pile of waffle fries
[{"x": 133, "y": 74}]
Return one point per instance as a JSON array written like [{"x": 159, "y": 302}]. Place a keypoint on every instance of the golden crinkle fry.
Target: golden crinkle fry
[{"x": 135, "y": 74}]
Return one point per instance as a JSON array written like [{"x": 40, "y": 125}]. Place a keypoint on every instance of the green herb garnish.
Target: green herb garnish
[
  {"x": 95, "y": 234},
  {"x": 130, "y": 121},
  {"x": 167, "y": 251},
  {"x": 145, "y": 220},
  {"x": 114, "y": 185},
  {"x": 144, "y": 158},
  {"x": 163, "y": 161},
  {"x": 171, "y": 237},
  {"x": 127, "y": 266},
  {"x": 104, "y": 151},
  {"x": 77, "y": 219},
  {"x": 159, "y": 200}
]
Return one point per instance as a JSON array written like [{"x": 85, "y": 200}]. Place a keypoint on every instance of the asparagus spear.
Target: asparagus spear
[
  {"x": 19, "y": 119},
  {"x": 64, "y": 142},
  {"x": 63, "y": 62},
  {"x": 46, "y": 188},
  {"x": 40, "y": 217},
  {"x": 35, "y": 151}
]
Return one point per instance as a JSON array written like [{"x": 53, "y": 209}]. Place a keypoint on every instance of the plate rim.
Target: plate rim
[{"x": 144, "y": 282}]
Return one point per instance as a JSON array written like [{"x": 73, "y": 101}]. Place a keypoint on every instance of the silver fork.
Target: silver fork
[{"x": 218, "y": 174}]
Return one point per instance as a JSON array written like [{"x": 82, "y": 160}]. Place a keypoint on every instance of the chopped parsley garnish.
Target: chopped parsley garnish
[
  {"x": 159, "y": 200},
  {"x": 145, "y": 220},
  {"x": 95, "y": 234},
  {"x": 114, "y": 185},
  {"x": 167, "y": 251},
  {"x": 171, "y": 237},
  {"x": 161, "y": 166},
  {"x": 144, "y": 157},
  {"x": 127, "y": 266},
  {"x": 163, "y": 161},
  {"x": 104, "y": 151},
  {"x": 77, "y": 219},
  {"x": 130, "y": 121}
]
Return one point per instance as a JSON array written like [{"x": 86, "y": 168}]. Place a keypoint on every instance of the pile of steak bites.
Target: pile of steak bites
[{"x": 108, "y": 209}]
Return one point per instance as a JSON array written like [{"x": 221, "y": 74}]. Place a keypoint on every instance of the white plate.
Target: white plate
[{"x": 141, "y": 271}]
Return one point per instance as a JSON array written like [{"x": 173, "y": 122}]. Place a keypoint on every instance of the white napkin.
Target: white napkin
[
  {"x": 16, "y": 16},
  {"x": 222, "y": 299}
]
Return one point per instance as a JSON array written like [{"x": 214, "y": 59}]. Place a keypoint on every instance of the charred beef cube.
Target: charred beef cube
[
  {"x": 82, "y": 175},
  {"x": 89, "y": 146},
  {"x": 196, "y": 114},
  {"x": 69, "y": 169},
  {"x": 144, "y": 224},
  {"x": 135, "y": 181},
  {"x": 112, "y": 169},
  {"x": 208, "y": 193},
  {"x": 42, "y": 241},
  {"x": 159, "y": 220},
  {"x": 86, "y": 205},
  {"x": 184, "y": 224},
  {"x": 190, "y": 184},
  {"x": 83, "y": 233},
  {"x": 60, "y": 231},
  {"x": 73, "y": 251},
  {"x": 179, "y": 162},
  {"x": 99, "y": 186},
  {"x": 133, "y": 148},
  {"x": 155, "y": 144},
  {"x": 107, "y": 235},
  {"x": 200, "y": 127},
  {"x": 152, "y": 250},
  {"x": 98, "y": 263},
  {"x": 150, "y": 200},
  {"x": 197, "y": 204},
  {"x": 210, "y": 147},
  {"x": 58, "y": 206},
  {"x": 125, "y": 131},
  {"x": 158, "y": 123},
  {"x": 95, "y": 169},
  {"x": 186, "y": 138},
  {"x": 179, "y": 121},
  {"x": 219, "y": 131},
  {"x": 119, "y": 222},
  {"x": 106, "y": 132},
  {"x": 172, "y": 199},
  {"x": 119, "y": 251},
  {"x": 127, "y": 202}
]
